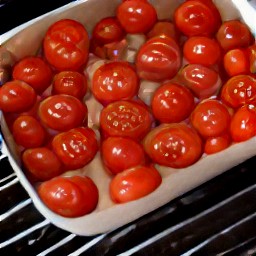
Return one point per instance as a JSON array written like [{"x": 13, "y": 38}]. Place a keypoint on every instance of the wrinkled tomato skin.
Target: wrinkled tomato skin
[
  {"x": 62, "y": 112},
  {"x": 176, "y": 145},
  {"x": 66, "y": 45},
  {"x": 42, "y": 163},
  {"x": 134, "y": 183},
  {"x": 69, "y": 196},
  {"x": 172, "y": 103},
  {"x": 216, "y": 144},
  {"x": 119, "y": 153},
  {"x": 242, "y": 125},
  {"x": 16, "y": 96},
  {"x": 158, "y": 59}
]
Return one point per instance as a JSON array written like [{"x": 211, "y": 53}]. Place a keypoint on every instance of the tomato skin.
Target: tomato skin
[
  {"x": 243, "y": 122},
  {"x": 210, "y": 118},
  {"x": 69, "y": 196},
  {"x": 119, "y": 153},
  {"x": 66, "y": 45},
  {"x": 202, "y": 50},
  {"x": 134, "y": 183},
  {"x": 34, "y": 71},
  {"x": 136, "y": 16},
  {"x": 70, "y": 82},
  {"x": 42, "y": 163},
  {"x": 76, "y": 147},
  {"x": 28, "y": 132},
  {"x": 114, "y": 81},
  {"x": 176, "y": 145},
  {"x": 158, "y": 59},
  {"x": 62, "y": 112},
  {"x": 172, "y": 103},
  {"x": 239, "y": 90},
  {"x": 125, "y": 119},
  {"x": 16, "y": 96},
  {"x": 217, "y": 144}
]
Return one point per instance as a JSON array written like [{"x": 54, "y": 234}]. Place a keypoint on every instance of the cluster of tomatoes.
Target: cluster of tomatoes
[{"x": 196, "y": 69}]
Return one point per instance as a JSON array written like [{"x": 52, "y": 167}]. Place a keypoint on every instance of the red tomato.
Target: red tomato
[
  {"x": 126, "y": 119},
  {"x": 217, "y": 144},
  {"x": 252, "y": 58},
  {"x": 234, "y": 34},
  {"x": 134, "y": 183},
  {"x": 175, "y": 145},
  {"x": 120, "y": 153},
  {"x": 28, "y": 132},
  {"x": 34, "y": 71},
  {"x": 136, "y": 16},
  {"x": 197, "y": 18},
  {"x": 210, "y": 118},
  {"x": 62, "y": 112},
  {"x": 69, "y": 196},
  {"x": 172, "y": 103},
  {"x": 239, "y": 90},
  {"x": 158, "y": 59},
  {"x": 66, "y": 45},
  {"x": 242, "y": 125},
  {"x": 42, "y": 163},
  {"x": 17, "y": 96},
  {"x": 70, "y": 82},
  {"x": 76, "y": 147},
  {"x": 201, "y": 80},
  {"x": 108, "y": 30},
  {"x": 115, "y": 81},
  {"x": 202, "y": 50}
]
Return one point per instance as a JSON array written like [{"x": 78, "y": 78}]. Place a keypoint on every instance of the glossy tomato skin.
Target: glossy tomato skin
[
  {"x": 69, "y": 196},
  {"x": 158, "y": 59},
  {"x": 16, "y": 96},
  {"x": 172, "y": 103},
  {"x": 119, "y": 153},
  {"x": 176, "y": 145},
  {"x": 28, "y": 132},
  {"x": 115, "y": 81},
  {"x": 136, "y": 16},
  {"x": 70, "y": 82},
  {"x": 62, "y": 112},
  {"x": 216, "y": 144},
  {"x": 34, "y": 71},
  {"x": 134, "y": 183},
  {"x": 66, "y": 45},
  {"x": 126, "y": 119},
  {"x": 76, "y": 147},
  {"x": 42, "y": 163},
  {"x": 239, "y": 90}
]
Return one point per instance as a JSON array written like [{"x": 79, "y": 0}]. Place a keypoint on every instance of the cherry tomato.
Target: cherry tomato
[
  {"x": 42, "y": 163},
  {"x": 158, "y": 59},
  {"x": 17, "y": 96},
  {"x": 34, "y": 71},
  {"x": 62, "y": 112},
  {"x": 69, "y": 196},
  {"x": 210, "y": 118},
  {"x": 217, "y": 144},
  {"x": 176, "y": 145},
  {"x": 201, "y": 80},
  {"x": 28, "y": 132},
  {"x": 136, "y": 16},
  {"x": 76, "y": 147},
  {"x": 172, "y": 103},
  {"x": 71, "y": 83},
  {"x": 243, "y": 122},
  {"x": 197, "y": 18},
  {"x": 66, "y": 45},
  {"x": 202, "y": 50},
  {"x": 252, "y": 58},
  {"x": 120, "y": 153},
  {"x": 234, "y": 34},
  {"x": 239, "y": 90},
  {"x": 134, "y": 183},
  {"x": 115, "y": 81},
  {"x": 125, "y": 119}
]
